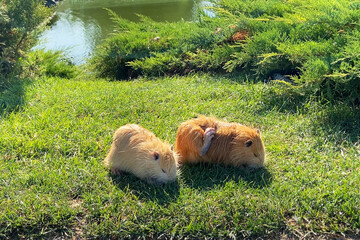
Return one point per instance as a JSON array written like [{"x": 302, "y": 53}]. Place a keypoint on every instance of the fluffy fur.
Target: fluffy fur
[
  {"x": 138, "y": 151},
  {"x": 206, "y": 139}
]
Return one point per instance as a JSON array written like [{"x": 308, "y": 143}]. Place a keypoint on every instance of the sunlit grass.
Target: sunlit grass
[{"x": 52, "y": 182}]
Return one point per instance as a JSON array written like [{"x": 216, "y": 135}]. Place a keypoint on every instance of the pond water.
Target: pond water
[{"x": 80, "y": 25}]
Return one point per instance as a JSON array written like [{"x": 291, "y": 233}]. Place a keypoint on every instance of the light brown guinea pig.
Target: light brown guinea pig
[
  {"x": 207, "y": 139},
  {"x": 138, "y": 151}
]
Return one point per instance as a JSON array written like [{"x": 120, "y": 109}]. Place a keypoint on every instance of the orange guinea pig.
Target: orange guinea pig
[
  {"x": 207, "y": 139},
  {"x": 138, "y": 151}
]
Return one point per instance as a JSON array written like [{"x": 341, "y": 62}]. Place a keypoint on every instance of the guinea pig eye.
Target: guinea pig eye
[
  {"x": 156, "y": 156},
  {"x": 248, "y": 143},
  {"x": 163, "y": 170},
  {"x": 255, "y": 155}
]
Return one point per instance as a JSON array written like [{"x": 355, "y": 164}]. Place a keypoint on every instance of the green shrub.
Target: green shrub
[
  {"x": 315, "y": 42},
  {"x": 52, "y": 64},
  {"x": 152, "y": 48},
  {"x": 19, "y": 24}
]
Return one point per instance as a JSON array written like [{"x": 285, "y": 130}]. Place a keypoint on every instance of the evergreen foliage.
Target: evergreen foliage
[
  {"x": 19, "y": 23},
  {"x": 315, "y": 43},
  {"x": 48, "y": 63},
  {"x": 154, "y": 49}
]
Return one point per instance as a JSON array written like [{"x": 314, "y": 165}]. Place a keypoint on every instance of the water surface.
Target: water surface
[{"x": 81, "y": 24}]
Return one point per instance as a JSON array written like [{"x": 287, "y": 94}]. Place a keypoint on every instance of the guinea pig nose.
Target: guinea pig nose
[
  {"x": 163, "y": 170},
  {"x": 160, "y": 182}
]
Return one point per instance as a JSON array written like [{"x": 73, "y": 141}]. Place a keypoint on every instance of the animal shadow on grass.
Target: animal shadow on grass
[
  {"x": 288, "y": 102},
  {"x": 162, "y": 194},
  {"x": 12, "y": 95},
  {"x": 340, "y": 122},
  {"x": 206, "y": 176}
]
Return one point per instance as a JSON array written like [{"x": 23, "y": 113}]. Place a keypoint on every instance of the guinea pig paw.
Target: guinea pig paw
[
  {"x": 160, "y": 183},
  {"x": 209, "y": 133},
  {"x": 156, "y": 181},
  {"x": 116, "y": 172}
]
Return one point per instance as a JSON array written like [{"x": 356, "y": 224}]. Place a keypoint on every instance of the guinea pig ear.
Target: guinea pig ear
[
  {"x": 248, "y": 143},
  {"x": 156, "y": 156},
  {"x": 172, "y": 147},
  {"x": 258, "y": 131}
]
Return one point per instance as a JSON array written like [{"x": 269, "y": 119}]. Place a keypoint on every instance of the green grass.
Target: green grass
[{"x": 53, "y": 184}]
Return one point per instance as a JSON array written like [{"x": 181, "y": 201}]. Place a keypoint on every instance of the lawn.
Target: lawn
[{"x": 53, "y": 183}]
